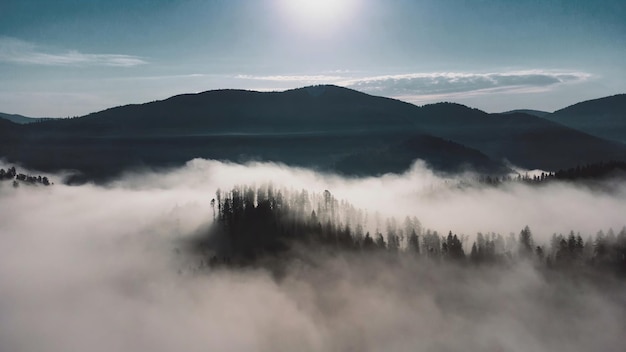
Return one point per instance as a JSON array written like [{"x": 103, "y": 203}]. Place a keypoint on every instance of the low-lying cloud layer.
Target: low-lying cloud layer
[
  {"x": 97, "y": 268},
  {"x": 436, "y": 200}
]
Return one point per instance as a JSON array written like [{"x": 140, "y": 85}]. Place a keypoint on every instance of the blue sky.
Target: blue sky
[{"x": 71, "y": 57}]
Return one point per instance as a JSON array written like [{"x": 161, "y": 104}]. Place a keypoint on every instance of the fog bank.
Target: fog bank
[{"x": 99, "y": 268}]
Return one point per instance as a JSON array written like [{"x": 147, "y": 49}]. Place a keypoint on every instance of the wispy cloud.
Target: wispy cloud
[
  {"x": 437, "y": 84},
  {"x": 441, "y": 83},
  {"x": 20, "y": 52}
]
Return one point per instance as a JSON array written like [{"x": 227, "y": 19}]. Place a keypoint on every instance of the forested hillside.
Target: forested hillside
[{"x": 252, "y": 224}]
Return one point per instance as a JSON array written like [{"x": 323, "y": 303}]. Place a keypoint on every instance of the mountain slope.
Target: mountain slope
[
  {"x": 324, "y": 127},
  {"x": 524, "y": 140},
  {"x": 604, "y": 117},
  {"x": 9, "y": 129},
  {"x": 311, "y": 109},
  {"x": 99, "y": 158}
]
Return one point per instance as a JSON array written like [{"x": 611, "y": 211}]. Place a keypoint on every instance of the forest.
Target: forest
[
  {"x": 250, "y": 223},
  {"x": 20, "y": 178},
  {"x": 587, "y": 173}
]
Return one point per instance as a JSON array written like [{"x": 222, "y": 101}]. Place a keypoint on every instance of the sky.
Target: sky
[{"x": 72, "y": 57}]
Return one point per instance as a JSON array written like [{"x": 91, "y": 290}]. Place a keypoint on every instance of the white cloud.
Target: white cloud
[
  {"x": 434, "y": 199},
  {"x": 21, "y": 52},
  {"x": 442, "y": 83},
  {"x": 436, "y": 85}
]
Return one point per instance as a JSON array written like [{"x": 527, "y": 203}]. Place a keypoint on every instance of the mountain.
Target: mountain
[
  {"x": 324, "y": 127},
  {"x": 21, "y": 119},
  {"x": 604, "y": 117},
  {"x": 8, "y": 129},
  {"x": 537, "y": 113},
  {"x": 318, "y": 109},
  {"x": 438, "y": 153},
  {"x": 522, "y": 139}
]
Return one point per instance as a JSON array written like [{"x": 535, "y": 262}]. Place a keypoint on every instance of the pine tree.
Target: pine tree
[{"x": 525, "y": 243}]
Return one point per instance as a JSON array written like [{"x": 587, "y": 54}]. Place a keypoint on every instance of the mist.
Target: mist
[
  {"x": 100, "y": 268},
  {"x": 442, "y": 202}
]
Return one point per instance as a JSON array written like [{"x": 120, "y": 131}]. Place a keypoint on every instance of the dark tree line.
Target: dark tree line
[
  {"x": 588, "y": 172},
  {"x": 607, "y": 251},
  {"x": 257, "y": 221},
  {"x": 593, "y": 171},
  {"x": 527, "y": 179},
  {"x": 12, "y": 174},
  {"x": 254, "y": 222}
]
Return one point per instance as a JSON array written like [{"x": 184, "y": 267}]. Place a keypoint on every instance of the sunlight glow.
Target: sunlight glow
[
  {"x": 318, "y": 13},
  {"x": 318, "y": 8}
]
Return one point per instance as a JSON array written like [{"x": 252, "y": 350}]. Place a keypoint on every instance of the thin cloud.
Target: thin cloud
[
  {"x": 442, "y": 83},
  {"x": 437, "y": 84},
  {"x": 21, "y": 52}
]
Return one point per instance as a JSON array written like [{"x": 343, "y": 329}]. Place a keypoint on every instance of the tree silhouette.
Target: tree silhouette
[
  {"x": 251, "y": 223},
  {"x": 525, "y": 243}
]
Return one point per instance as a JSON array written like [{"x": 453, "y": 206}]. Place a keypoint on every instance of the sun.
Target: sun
[
  {"x": 316, "y": 13},
  {"x": 317, "y": 8}
]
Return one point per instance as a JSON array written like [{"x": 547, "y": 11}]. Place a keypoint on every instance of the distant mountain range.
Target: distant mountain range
[
  {"x": 324, "y": 127},
  {"x": 22, "y": 119},
  {"x": 604, "y": 117},
  {"x": 537, "y": 113}
]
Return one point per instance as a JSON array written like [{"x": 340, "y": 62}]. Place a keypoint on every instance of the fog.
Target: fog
[
  {"x": 100, "y": 268},
  {"x": 439, "y": 201}
]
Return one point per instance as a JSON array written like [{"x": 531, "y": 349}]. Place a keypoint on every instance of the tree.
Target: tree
[
  {"x": 414, "y": 242},
  {"x": 525, "y": 243},
  {"x": 474, "y": 254},
  {"x": 454, "y": 247},
  {"x": 539, "y": 253},
  {"x": 432, "y": 243},
  {"x": 368, "y": 242},
  {"x": 380, "y": 241},
  {"x": 600, "y": 246}
]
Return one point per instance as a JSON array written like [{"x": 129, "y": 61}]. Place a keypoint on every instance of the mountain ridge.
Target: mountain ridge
[
  {"x": 21, "y": 119},
  {"x": 603, "y": 117},
  {"x": 226, "y": 111},
  {"x": 532, "y": 112},
  {"x": 325, "y": 126}
]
